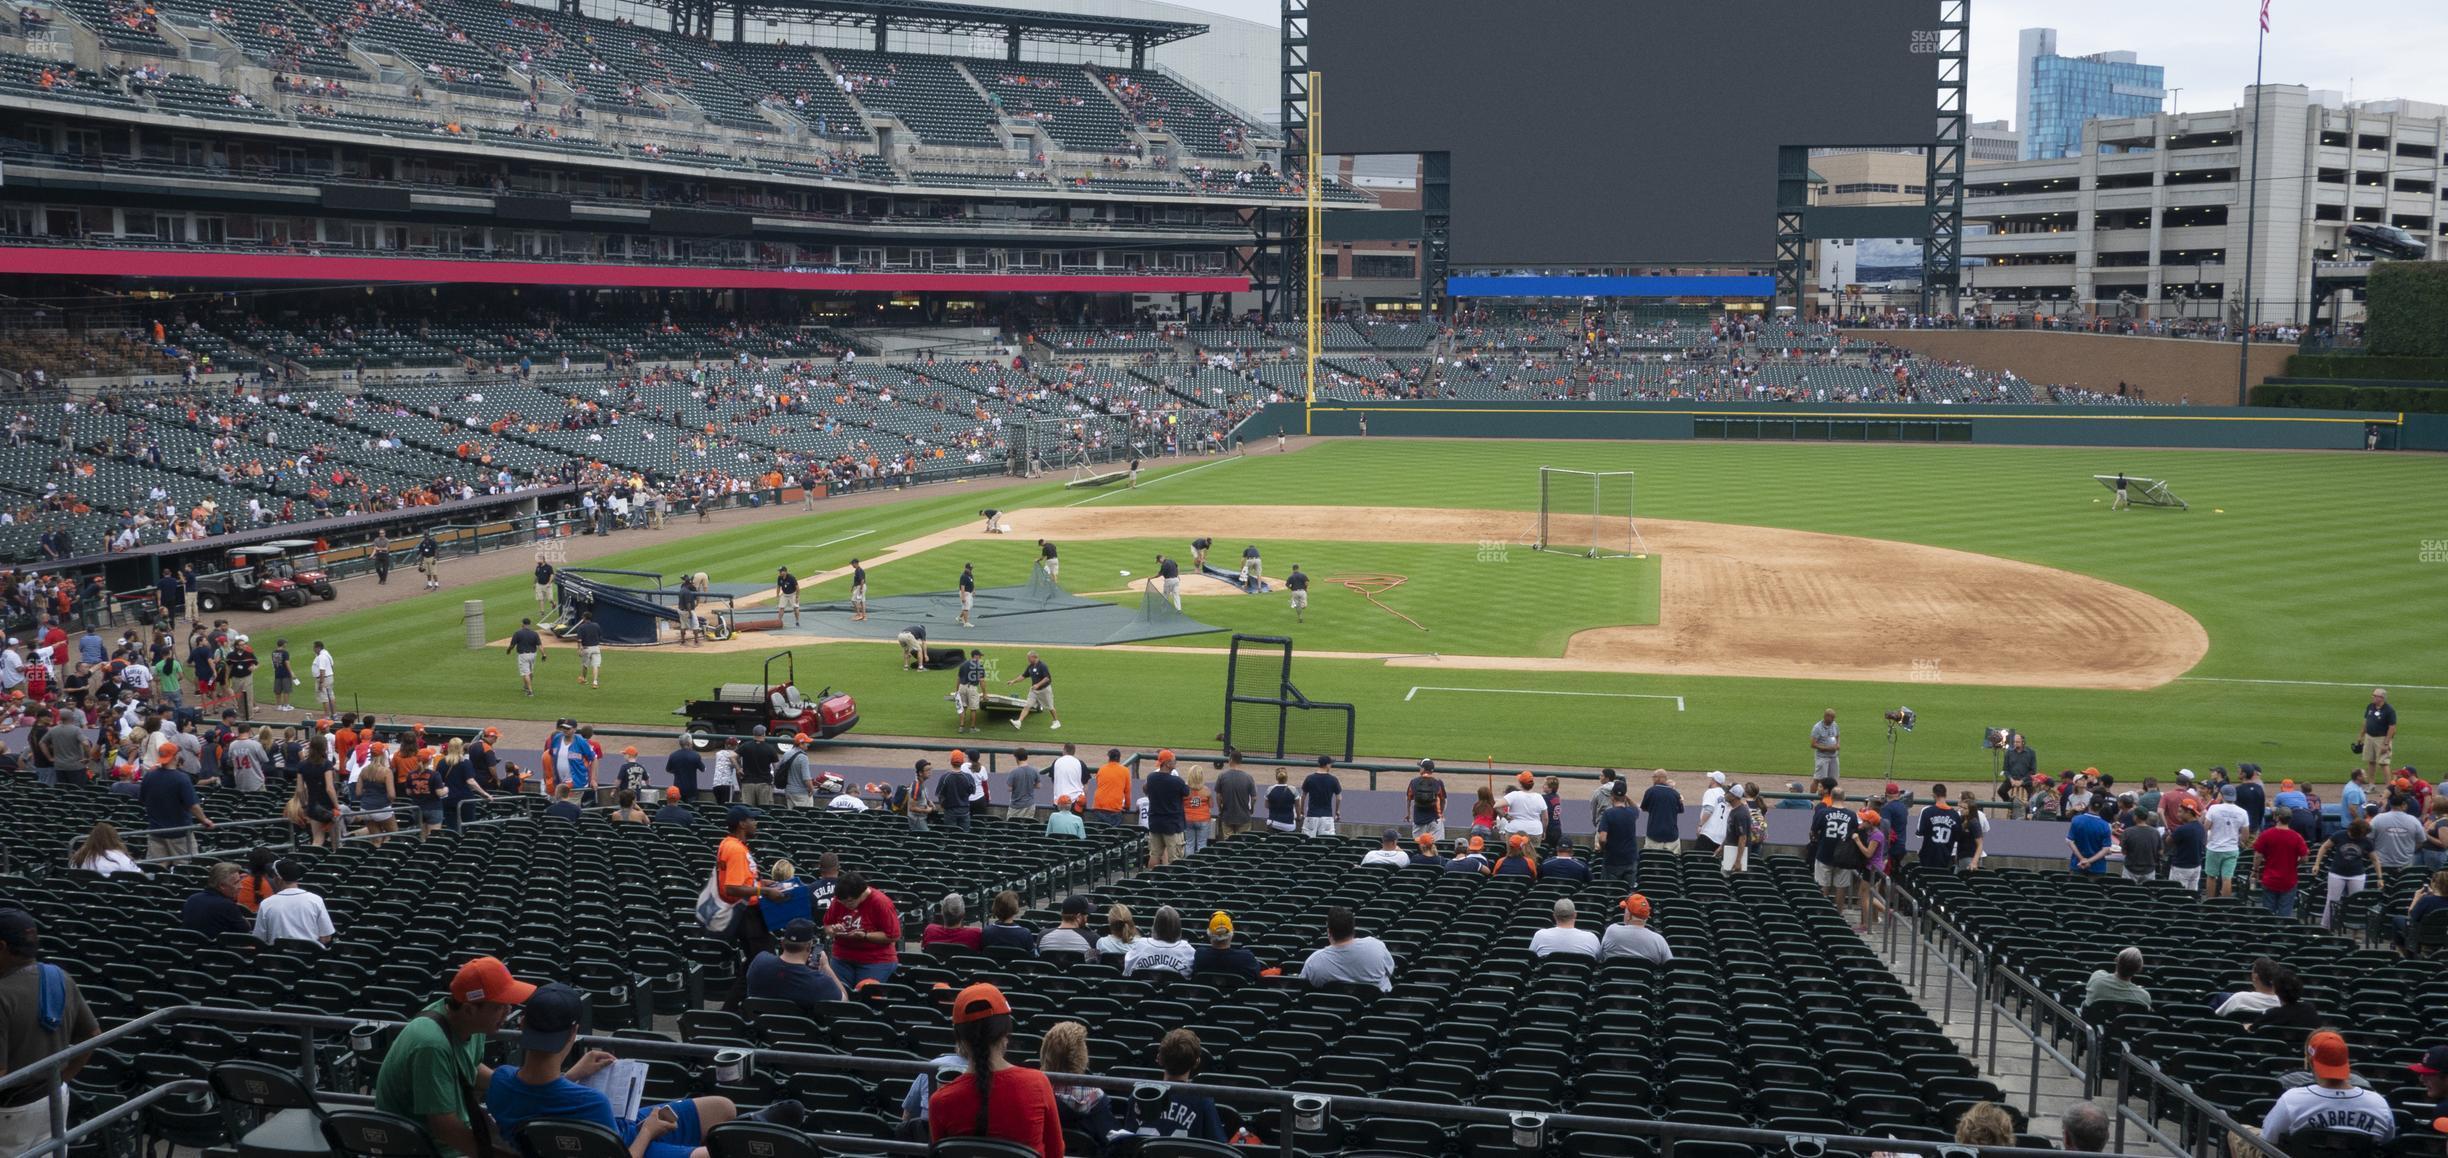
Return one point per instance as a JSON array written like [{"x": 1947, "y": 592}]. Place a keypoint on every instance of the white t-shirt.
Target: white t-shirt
[
  {"x": 292, "y": 913},
  {"x": 322, "y": 665},
  {"x": 1148, "y": 953},
  {"x": 113, "y": 862},
  {"x": 2320, "y": 1108},
  {"x": 2225, "y": 822},
  {"x": 1713, "y": 814},
  {"x": 2247, "y": 1001},
  {"x": 1069, "y": 777},
  {"x": 1558, "y": 939},
  {"x": 1392, "y": 856},
  {"x": 1525, "y": 812},
  {"x": 1628, "y": 940},
  {"x": 847, "y": 803}
]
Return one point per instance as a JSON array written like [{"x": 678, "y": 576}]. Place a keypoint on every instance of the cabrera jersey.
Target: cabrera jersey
[{"x": 2319, "y": 1108}]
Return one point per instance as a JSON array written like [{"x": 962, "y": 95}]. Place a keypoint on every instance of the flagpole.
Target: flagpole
[{"x": 2252, "y": 214}]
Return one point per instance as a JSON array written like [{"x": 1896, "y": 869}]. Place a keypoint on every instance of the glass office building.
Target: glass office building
[{"x": 2056, "y": 94}]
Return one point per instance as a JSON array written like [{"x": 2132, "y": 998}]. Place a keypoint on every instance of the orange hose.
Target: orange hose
[{"x": 1369, "y": 587}]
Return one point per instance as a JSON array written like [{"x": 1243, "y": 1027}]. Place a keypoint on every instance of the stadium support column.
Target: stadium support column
[
  {"x": 1436, "y": 231},
  {"x": 1792, "y": 198},
  {"x": 1281, "y": 293},
  {"x": 1943, "y": 187}
]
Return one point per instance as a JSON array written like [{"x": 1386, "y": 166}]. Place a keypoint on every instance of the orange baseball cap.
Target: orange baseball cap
[
  {"x": 1062, "y": 802},
  {"x": 1518, "y": 840},
  {"x": 2327, "y": 1052},
  {"x": 959, "y": 757},
  {"x": 1637, "y": 905},
  {"x": 1870, "y": 817},
  {"x": 799, "y": 737},
  {"x": 979, "y": 1002},
  {"x": 167, "y": 749},
  {"x": 1478, "y": 843},
  {"x": 631, "y": 750},
  {"x": 1526, "y": 779},
  {"x": 1163, "y": 754},
  {"x": 487, "y": 979},
  {"x": 672, "y": 793},
  {"x": 1427, "y": 840}
]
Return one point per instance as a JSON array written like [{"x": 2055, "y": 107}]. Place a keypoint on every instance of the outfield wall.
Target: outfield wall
[
  {"x": 2169, "y": 368},
  {"x": 2188, "y": 426}
]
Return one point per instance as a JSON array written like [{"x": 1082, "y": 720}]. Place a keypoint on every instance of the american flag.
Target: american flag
[{"x": 2265, "y": 15}]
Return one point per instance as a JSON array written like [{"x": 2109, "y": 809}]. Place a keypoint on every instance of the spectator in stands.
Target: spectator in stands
[
  {"x": 1065, "y": 819},
  {"x": 2332, "y": 1102},
  {"x": 1349, "y": 957},
  {"x": 1121, "y": 929},
  {"x": 1634, "y": 937},
  {"x": 1116, "y": 787},
  {"x": 1321, "y": 796},
  {"x": 1524, "y": 810},
  {"x": 995, "y": 1098},
  {"x": 1005, "y": 929},
  {"x": 2267, "y": 976},
  {"x": 1071, "y": 936},
  {"x": 951, "y": 925},
  {"x": 1162, "y": 949},
  {"x": 2118, "y": 987},
  {"x": 1563, "y": 936},
  {"x": 1020, "y": 787},
  {"x": 1618, "y": 837},
  {"x": 1282, "y": 804},
  {"x": 214, "y": 909},
  {"x": 2223, "y": 825},
  {"x": 2187, "y": 848},
  {"x": 673, "y": 811},
  {"x": 291, "y": 913},
  {"x": 1426, "y": 853},
  {"x": 2397, "y": 835},
  {"x": 2088, "y": 839},
  {"x": 1662, "y": 805},
  {"x": 435, "y": 1067},
  {"x": 795, "y": 970},
  {"x": 103, "y": 852},
  {"x": 1565, "y": 865},
  {"x": 2431, "y": 898},
  {"x": 2278, "y": 855},
  {"x": 793, "y": 899},
  {"x": 1166, "y": 793},
  {"x": 1221, "y": 955},
  {"x": 685, "y": 765},
  {"x": 168, "y": 794},
  {"x": 866, "y": 931},
  {"x": 1084, "y": 1109},
  {"x": 539, "y": 1086},
  {"x": 1426, "y": 797},
  {"x": 565, "y": 803},
  {"x": 1180, "y": 1114},
  {"x": 737, "y": 880},
  {"x": 1236, "y": 797},
  {"x": 1198, "y": 811},
  {"x": 1986, "y": 1124},
  {"x": 1483, "y": 813},
  {"x": 34, "y": 1024},
  {"x": 2433, "y": 1072},
  {"x": 2140, "y": 840},
  {"x": 1388, "y": 851},
  {"x": 2347, "y": 860},
  {"x": 1517, "y": 860}
]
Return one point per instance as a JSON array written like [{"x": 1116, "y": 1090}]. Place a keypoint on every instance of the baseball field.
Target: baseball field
[{"x": 1979, "y": 586}]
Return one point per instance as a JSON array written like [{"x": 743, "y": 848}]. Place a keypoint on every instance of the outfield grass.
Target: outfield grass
[
  {"x": 2302, "y": 567},
  {"x": 1495, "y": 602}
]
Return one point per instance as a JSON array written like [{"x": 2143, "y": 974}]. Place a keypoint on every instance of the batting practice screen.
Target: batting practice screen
[{"x": 1616, "y": 132}]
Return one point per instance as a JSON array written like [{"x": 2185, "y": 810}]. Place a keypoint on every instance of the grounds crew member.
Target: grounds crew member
[
  {"x": 858, "y": 593},
  {"x": 1168, "y": 573},
  {"x": 914, "y": 646},
  {"x": 429, "y": 561},
  {"x": 1249, "y": 565},
  {"x": 1046, "y": 559},
  {"x": 543, "y": 582},
  {"x": 968, "y": 592},
  {"x": 1298, "y": 584},
  {"x": 967, "y": 694},
  {"x": 1041, "y": 690},
  {"x": 528, "y": 646},
  {"x": 382, "y": 559},
  {"x": 1198, "y": 553},
  {"x": 788, "y": 585},
  {"x": 590, "y": 650}
]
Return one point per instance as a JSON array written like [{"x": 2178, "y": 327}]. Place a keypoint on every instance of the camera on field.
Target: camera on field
[{"x": 1996, "y": 737}]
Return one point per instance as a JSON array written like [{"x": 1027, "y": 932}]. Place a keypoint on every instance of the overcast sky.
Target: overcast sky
[{"x": 2378, "y": 48}]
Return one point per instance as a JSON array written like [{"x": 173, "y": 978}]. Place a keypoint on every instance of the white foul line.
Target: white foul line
[
  {"x": 829, "y": 542},
  {"x": 1153, "y": 481},
  {"x": 1538, "y": 692},
  {"x": 2313, "y": 683}
]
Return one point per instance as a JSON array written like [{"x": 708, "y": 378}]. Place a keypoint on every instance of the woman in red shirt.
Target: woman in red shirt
[
  {"x": 866, "y": 930},
  {"x": 995, "y": 1099}
]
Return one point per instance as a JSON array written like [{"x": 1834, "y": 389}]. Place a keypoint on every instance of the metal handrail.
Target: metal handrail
[
  {"x": 2236, "y": 1132},
  {"x": 1288, "y": 1105}
]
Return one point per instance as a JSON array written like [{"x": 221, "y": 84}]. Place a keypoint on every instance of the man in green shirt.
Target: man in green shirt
[{"x": 433, "y": 1072}]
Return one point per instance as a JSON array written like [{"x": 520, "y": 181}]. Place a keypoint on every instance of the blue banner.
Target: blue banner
[{"x": 1611, "y": 287}]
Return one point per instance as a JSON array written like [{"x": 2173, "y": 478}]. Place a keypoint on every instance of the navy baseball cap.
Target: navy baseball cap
[
  {"x": 740, "y": 812},
  {"x": 551, "y": 1018},
  {"x": 2434, "y": 1061}
]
